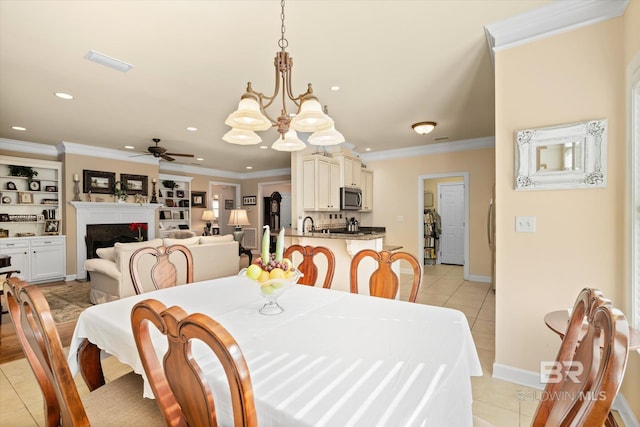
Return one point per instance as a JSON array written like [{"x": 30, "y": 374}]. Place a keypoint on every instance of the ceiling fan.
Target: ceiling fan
[{"x": 161, "y": 152}]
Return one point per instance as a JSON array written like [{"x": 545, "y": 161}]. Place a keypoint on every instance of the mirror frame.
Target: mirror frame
[{"x": 594, "y": 174}]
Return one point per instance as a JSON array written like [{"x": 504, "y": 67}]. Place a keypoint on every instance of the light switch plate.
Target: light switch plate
[{"x": 525, "y": 224}]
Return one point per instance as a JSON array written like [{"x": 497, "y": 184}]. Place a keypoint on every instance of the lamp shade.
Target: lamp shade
[
  {"x": 326, "y": 137},
  {"x": 311, "y": 118},
  {"x": 238, "y": 217},
  {"x": 291, "y": 142},
  {"x": 208, "y": 215},
  {"x": 242, "y": 137},
  {"x": 248, "y": 116}
]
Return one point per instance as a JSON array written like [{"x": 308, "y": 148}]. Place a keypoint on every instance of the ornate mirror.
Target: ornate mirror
[{"x": 561, "y": 157}]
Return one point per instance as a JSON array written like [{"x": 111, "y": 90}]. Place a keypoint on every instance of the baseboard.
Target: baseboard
[
  {"x": 532, "y": 380},
  {"x": 478, "y": 278}
]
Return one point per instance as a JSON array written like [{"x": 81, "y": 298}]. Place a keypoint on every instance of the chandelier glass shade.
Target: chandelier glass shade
[{"x": 252, "y": 115}]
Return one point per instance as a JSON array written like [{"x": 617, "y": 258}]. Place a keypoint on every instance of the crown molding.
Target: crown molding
[
  {"x": 107, "y": 153},
  {"x": 439, "y": 148},
  {"x": 554, "y": 18},
  {"x": 28, "y": 147}
]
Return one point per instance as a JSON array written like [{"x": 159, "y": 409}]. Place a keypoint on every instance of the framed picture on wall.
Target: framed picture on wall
[
  {"x": 135, "y": 184},
  {"x": 249, "y": 200},
  {"x": 198, "y": 199},
  {"x": 98, "y": 181}
]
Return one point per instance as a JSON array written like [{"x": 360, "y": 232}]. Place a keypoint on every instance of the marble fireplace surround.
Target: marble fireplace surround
[{"x": 108, "y": 213}]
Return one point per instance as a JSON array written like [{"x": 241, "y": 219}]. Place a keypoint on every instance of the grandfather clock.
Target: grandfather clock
[{"x": 271, "y": 216}]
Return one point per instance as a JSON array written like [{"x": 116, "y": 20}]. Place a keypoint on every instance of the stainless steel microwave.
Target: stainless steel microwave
[{"x": 350, "y": 199}]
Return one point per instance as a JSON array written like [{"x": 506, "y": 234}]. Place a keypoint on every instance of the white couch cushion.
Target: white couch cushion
[
  {"x": 126, "y": 247},
  {"x": 107, "y": 253},
  {"x": 216, "y": 239},
  {"x": 190, "y": 241}
]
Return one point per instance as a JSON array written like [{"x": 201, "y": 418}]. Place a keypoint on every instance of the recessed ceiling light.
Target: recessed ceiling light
[
  {"x": 129, "y": 147},
  {"x": 263, "y": 147},
  {"x": 107, "y": 61},
  {"x": 63, "y": 95},
  {"x": 192, "y": 129},
  {"x": 249, "y": 167},
  {"x": 199, "y": 159},
  {"x": 335, "y": 88},
  {"x": 18, "y": 128},
  {"x": 367, "y": 149}
]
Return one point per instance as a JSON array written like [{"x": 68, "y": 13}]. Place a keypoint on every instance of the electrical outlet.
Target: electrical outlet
[{"x": 525, "y": 224}]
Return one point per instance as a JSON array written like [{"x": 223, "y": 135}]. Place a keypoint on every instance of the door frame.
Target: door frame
[
  {"x": 231, "y": 184},
  {"x": 465, "y": 180}
]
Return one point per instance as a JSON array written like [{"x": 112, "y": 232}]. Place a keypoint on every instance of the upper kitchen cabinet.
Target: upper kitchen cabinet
[
  {"x": 321, "y": 183},
  {"x": 366, "y": 179},
  {"x": 349, "y": 170}
]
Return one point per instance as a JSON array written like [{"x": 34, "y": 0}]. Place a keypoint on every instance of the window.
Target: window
[
  {"x": 634, "y": 154},
  {"x": 215, "y": 205}
]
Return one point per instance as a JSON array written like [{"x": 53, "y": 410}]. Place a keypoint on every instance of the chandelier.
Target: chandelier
[{"x": 252, "y": 116}]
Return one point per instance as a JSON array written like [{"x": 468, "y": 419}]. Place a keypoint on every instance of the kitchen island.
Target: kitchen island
[{"x": 344, "y": 246}]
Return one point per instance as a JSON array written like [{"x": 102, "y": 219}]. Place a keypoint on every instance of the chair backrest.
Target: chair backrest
[
  {"x": 383, "y": 281},
  {"x": 39, "y": 339},
  {"x": 163, "y": 272},
  {"x": 180, "y": 389},
  {"x": 308, "y": 268},
  {"x": 592, "y": 366}
]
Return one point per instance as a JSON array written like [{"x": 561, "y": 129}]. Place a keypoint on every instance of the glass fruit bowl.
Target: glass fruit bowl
[{"x": 271, "y": 290}]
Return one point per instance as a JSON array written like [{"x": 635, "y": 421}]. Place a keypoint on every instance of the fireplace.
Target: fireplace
[
  {"x": 106, "y": 235},
  {"x": 119, "y": 215}
]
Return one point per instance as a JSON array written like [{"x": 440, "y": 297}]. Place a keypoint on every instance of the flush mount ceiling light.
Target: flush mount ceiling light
[
  {"x": 251, "y": 114},
  {"x": 423, "y": 128},
  {"x": 107, "y": 61}
]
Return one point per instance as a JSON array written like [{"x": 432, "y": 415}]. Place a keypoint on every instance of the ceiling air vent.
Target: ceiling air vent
[
  {"x": 108, "y": 61},
  {"x": 441, "y": 138}
]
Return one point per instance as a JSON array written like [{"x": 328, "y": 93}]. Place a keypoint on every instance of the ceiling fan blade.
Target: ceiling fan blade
[
  {"x": 179, "y": 154},
  {"x": 164, "y": 156}
]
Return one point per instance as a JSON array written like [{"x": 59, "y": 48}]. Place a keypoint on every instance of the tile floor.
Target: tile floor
[{"x": 495, "y": 402}]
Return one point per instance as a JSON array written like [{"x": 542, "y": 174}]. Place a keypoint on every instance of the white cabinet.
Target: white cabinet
[
  {"x": 27, "y": 202},
  {"x": 39, "y": 259},
  {"x": 349, "y": 170},
  {"x": 321, "y": 184},
  {"x": 366, "y": 179},
  {"x": 175, "y": 194}
]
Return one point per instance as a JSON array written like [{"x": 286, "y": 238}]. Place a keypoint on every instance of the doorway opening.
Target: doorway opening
[
  {"x": 223, "y": 198},
  {"x": 430, "y": 189}
]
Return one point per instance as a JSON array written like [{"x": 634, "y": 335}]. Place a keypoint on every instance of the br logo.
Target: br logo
[{"x": 555, "y": 371}]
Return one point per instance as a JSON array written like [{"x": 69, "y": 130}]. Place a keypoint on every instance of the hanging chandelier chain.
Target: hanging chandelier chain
[{"x": 282, "y": 43}]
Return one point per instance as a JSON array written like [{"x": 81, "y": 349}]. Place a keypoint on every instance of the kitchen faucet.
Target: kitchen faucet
[{"x": 313, "y": 227}]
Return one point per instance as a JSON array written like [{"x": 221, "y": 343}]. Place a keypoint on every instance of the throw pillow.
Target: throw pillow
[
  {"x": 191, "y": 241},
  {"x": 107, "y": 253},
  {"x": 216, "y": 239}
]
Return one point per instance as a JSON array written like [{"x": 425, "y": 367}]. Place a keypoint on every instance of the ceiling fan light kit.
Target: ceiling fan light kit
[
  {"x": 251, "y": 114},
  {"x": 161, "y": 152},
  {"x": 423, "y": 128}
]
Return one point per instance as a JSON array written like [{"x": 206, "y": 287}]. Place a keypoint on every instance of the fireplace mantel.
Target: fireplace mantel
[{"x": 109, "y": 213}]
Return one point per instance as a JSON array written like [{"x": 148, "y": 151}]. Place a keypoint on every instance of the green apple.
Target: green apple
[
  {"x": 254, "y": 271},
  {"x": 267, "y": 290}
]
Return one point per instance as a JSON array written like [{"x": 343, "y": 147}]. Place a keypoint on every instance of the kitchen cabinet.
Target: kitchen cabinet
[
  {"x": 321, "y": 184},
  {"x": 26, "y": 203},
  {"x": 39, "y": 259},
  {"x": 366, "y": 179},
  {"x": 349, "y": 170},
  {"x": 175, "y": 194}
]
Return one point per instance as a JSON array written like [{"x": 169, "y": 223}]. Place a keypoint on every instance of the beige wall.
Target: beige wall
[
  {"x": 570, "y": 77},
  {"x": 395, "y": 194},
  {"x": 631, "y": 386}
]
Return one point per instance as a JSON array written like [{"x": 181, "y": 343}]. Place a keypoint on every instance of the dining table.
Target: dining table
[{"x": 331, "y": 358}]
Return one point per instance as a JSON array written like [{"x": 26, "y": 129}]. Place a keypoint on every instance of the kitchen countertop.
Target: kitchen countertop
[{"x": 365, "y": 233}]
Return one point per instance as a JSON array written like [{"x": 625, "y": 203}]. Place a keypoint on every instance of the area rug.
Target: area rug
[{"x": 67, "y": 301}]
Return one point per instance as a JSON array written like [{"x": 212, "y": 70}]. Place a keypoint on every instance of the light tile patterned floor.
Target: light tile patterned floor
[{"x": 495, "y": 402}]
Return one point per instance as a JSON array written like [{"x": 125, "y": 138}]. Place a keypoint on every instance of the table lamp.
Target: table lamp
[
  {"x": 208, "y": 216},
  {"x": 238, "y": 217}
]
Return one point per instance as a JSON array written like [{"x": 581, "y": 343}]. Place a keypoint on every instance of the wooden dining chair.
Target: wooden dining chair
[
  {"x": 308, "y": 267},
  {"x": 163, "y": 272},
  {"x": 118, "y": 402},
  {"x": 383, "y": 282},
  {"x": 181, "y": 391},
  {"x": 590, "y": 368}
]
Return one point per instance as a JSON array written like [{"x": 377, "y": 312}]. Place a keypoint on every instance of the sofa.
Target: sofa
[{"x": 213, "y": 257}]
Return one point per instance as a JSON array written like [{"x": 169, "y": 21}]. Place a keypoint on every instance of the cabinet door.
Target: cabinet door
[
  {"x": 367, "y": 190},
  {"x": 309, "y": 185},
  {"x": 356, "y": 173},
  {"x": 47, "y": 259},
  {"x": 19, "y": 253},
  {"x": 334, "y": 186},
  {"x": 323, "y": 185}
]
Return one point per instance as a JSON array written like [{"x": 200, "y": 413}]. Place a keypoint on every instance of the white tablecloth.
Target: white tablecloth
[{"x": 331, "y": 359}]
